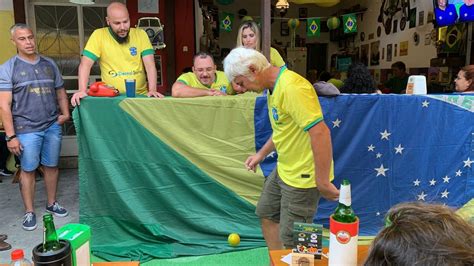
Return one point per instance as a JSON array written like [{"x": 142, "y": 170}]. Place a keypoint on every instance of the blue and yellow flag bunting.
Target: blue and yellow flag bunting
[
  {"x": 350, "y": 23},
  {"x": 227, "y": 21},
  {"x": 313, "y": 27}
]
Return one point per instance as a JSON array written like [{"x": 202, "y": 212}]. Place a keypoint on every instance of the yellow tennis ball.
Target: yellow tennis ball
[{"x": 234, "y": 239}]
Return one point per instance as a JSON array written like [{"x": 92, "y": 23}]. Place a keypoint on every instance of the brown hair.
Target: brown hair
[
  {"x": 469, "y": 76},
  {"x": 423, "y": 234}
]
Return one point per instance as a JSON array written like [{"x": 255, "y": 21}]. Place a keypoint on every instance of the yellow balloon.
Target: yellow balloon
[{"x": 293, "y": 23}]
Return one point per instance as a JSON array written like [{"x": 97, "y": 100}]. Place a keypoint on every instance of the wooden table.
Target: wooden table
[{"x": 276, "y": 255}]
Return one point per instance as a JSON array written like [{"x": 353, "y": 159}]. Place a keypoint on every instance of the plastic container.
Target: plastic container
[
  {"x": 416, "y": 85},
  {"x": 60, "y": 257},
  {"x": 18, "y": 258}
]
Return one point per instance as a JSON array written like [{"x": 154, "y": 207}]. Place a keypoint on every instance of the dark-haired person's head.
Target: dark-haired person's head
[
  {"x": 359, "y": 80},
  {"x": 312, "y": 76},
  {"x": 423, "y": 234},
  {"x": 324, "y": 76},
  {"x": 399, "y": 69},
  {"x": 204, "y": 68},
  {"x": 465, "y": 80}
]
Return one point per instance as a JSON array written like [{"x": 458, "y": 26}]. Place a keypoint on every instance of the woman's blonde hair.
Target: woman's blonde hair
[{"x": 253, "y": 27}]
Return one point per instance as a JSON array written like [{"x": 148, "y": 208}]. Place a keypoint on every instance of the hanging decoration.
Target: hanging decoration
[
  {"x": 333, "y": 23},
  {"x": 225, "y": 2},
  {"x": 322, "y": 3},
  {"x": 227, "y": 21},
  {"x": 350, "y": 23},
  {"x": 293, "y": 23},
  {"x": 247, "y": 18},
  {"x": 313, "y": 27}
]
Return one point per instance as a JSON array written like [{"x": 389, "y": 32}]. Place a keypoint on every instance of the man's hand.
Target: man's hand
[
  {"x": 328, "y": 191},
  {"x": 213, "y": 92},
  {"x": 14, "y": 146},
  {"x": 155, "y": 94},
  {"x": 62, "y": 119},
  {"x": 76, "y": 98},
  {"x": 252, "y": 162}
]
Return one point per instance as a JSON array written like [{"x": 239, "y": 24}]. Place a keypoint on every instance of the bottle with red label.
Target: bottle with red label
[{"x": 344, "y": 230}]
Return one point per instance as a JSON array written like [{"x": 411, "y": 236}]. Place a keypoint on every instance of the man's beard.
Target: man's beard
[{"x": 118, "y": 38}]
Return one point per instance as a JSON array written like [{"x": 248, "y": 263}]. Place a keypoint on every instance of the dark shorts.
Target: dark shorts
[{"x": 285, "y": 205}]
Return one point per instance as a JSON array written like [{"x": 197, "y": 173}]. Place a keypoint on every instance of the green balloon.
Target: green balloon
[{"x": 333, "y": 23}]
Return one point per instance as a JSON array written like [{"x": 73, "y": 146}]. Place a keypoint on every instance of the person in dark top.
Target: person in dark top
[
  {"x": 359, "y": 80},
  {"x": 398, "y": 82}
]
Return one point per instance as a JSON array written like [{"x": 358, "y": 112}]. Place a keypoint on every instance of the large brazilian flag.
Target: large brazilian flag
[{"x": 161, "y": 178}]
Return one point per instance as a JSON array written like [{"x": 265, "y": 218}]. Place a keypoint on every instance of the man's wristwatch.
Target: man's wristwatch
[{"x": 8, "y": 139}]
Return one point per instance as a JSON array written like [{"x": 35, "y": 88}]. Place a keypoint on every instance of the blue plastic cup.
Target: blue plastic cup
[{"x": 130, "y": 87}]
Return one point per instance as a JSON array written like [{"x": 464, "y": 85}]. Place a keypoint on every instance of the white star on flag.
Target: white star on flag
[
  {"x": 425, "y": 103},
  {"x": 422, "y": 196},
  {"x": 399, "y": 149},
  {"x": 370, "y": 148},
  {"x": 458, "y": 173},
  {"x": 432, "y": 182},
  {"x": 416, "y": 183},
  {"x": 446, "y": 179},
  {"x": 378, "y": 213},
  {"x": 468, "y": 162},
  {"x": 444, "y": 194},
  {"x": 385, "y": 134},
  {"x": 336, "y": 123},
  {"x": 378, "y": 155},
  {"x": 381, "y": 170}
]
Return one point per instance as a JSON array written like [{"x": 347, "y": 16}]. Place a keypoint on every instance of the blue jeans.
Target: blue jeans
[{"x": 43, "y": 146}]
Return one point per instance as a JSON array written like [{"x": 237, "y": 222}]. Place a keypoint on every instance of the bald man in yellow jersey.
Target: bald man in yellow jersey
[
  {"x": 122, "y": 52},
  {"x": 205, "y": 80},
  {"x": 301, "y": 138}
]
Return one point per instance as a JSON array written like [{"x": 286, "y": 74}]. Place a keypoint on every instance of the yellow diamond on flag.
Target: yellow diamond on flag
[
  {"x": 226, "y": 22},
  {"x": 350, "y": 23},
  {"x": 313, "y": 27}
]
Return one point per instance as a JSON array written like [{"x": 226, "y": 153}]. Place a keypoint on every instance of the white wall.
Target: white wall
[{"x": 418, "y": 56}]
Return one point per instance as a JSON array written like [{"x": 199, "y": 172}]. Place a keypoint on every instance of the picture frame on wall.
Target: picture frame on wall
[
  {"x": 395, "y": 26},
  {"x": 421, "y": 18},
  {"x": 284, "y": 28},
  {"x": 412, "y": 17},
  {"x": 389, "y": 52}
]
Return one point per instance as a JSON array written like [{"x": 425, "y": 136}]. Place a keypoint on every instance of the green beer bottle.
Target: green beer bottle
[
  {"x": 50, "y": 238},
  {"x": 344, "y": 212}
]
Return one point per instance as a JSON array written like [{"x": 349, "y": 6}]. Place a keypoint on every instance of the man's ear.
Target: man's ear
[
  {"x": 253, "y": 69},
  {"x": 107, "y": 20}
]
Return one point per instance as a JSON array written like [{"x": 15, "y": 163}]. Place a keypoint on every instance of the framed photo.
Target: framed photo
[
  {"x": 395, "y": 26},
  {"x": 302, "y": 12},
  {"x": 389, "y": 52},
  {"x": 421, "y": 18},
  {"x": 284, "y": 29},
  {"x": 412, "y": 17}
]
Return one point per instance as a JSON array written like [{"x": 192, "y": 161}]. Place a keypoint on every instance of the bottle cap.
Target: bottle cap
[{"x": 17, "y": 254}]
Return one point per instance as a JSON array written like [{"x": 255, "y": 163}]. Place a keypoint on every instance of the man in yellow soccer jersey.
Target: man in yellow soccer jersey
[
  {"x": 120, "y": 51},
  {"x": 301, "y": 138},
  {"x": 205, "y": 80}
]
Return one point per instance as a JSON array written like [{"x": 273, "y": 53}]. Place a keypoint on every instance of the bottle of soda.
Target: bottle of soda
[
  {"x": 50, "y": 238},
  {"x": 344, "y": 230},
  {"x": 18, "y": 258},
  {"x": 344, "y": 212}
]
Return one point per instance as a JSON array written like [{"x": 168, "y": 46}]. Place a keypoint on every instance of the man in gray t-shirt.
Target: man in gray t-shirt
[{"x": 33, "y": 106}]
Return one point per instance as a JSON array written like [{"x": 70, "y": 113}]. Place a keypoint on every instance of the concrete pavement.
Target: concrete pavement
[{"x": 12, "y": 210}]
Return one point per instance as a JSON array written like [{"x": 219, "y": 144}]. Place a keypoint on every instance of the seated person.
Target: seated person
[
  {"x": 312, "y": 76},
  {"x": 445, "y": 13},
  {"x": 423, "y": 234},
  {"x": 359, "y": 80},
  {"x": 323, "y": 87},
  {"x": 464, "y": 80},
  {"x": 466, "y": 11},
  {"x": 336, "y": 79},
  {"x": 205, "y": 80},
  {"x": 398, "y": 82}
]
